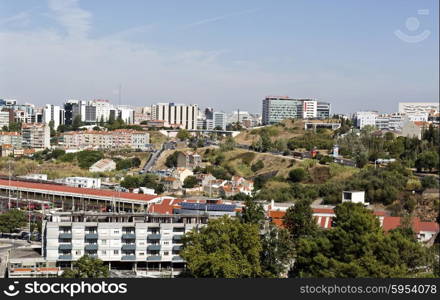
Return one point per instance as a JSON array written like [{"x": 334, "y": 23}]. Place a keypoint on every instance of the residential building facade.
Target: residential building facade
[{"x": 175, "y": 113}]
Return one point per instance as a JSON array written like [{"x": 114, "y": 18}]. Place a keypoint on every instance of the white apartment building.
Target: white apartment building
[
  {"x": 82, "y": 182},
  {"x": 175, "y": 113},
  {"x": 219, "y": 120},
  {"x": 415, "y": 108},
  {"x": 11, "y": 138},
  {"x": 36, "y": 135},
  {"x": 149, "y": 243},
  {"x": 122, "y": 138},
  {"x": 53, "y": 113},
  {"x": 4, "y": 119},
  {"x": 364, "y": 118}
]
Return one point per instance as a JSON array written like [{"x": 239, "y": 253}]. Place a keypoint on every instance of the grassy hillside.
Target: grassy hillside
[{"x": 284, "y": 130}]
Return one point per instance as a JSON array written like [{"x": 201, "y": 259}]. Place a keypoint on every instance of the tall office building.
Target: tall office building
[
  {"x": 309, "y": 108},
  {"x": 219, "y": 120},
  {"x": 175, "y": 113},
  {"x": 277, "y": 109},
  {"x": 53, "y": 113}
]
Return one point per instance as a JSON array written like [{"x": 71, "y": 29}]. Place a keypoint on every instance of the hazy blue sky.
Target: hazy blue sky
[{"x": 225, "y": 54}]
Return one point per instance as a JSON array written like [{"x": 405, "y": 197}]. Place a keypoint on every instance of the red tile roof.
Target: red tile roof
[{"x": 77, "y": 190}]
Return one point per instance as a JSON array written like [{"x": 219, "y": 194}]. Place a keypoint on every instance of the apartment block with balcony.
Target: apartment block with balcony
[{"x": 148, "y": 244}]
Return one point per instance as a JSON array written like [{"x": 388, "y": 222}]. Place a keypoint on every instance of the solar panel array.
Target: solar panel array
[{"x": 209, "y": 207}]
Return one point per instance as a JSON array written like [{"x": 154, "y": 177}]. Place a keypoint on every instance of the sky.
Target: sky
[{"x": 355, "y": 54}]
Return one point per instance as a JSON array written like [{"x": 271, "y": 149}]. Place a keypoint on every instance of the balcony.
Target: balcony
[
  {"x": 129, "y": 247},
  {"x": 178, "y": 237},
  {"x": 65, "y": 246},
  {"x": 65, "y": 235},
  {"x": 178, "y": 259},
  {"x": 153, "y": 236},
  {"x": 177, "y": 248},
  {"x": 128, "y": 257},
  {"x": 154, "y": 258},
  {"x": 92, "y": 247},
  {"x": 91, "y": 236},
  {"x": 128, "y": 236},
  {"x": 153, "y": 248},
  {"x": 65, "y": 257}
]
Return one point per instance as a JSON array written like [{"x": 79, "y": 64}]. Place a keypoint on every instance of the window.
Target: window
[
  {"x": 166, "y": 253},
  {"x": 166, "y": 243},
  {"x": 116, "y": 231},
  {"x": 116, "y": 252},
  {"x": 103, "y": 252},
  {"x": 78, "y": 252},
  {"x": 104, "y": 242},
  {"x": 141, "y": 253}
]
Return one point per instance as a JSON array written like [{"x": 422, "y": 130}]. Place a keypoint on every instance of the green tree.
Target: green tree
[
  {"x": 278, "y": 251},
  {"x": 76, "y": 123},
  {"x": 252, "y": 213},
  {"x": 87, "y": 158},
  {"x": 87, "y": 267},
  {"x": 190, "y": 182},
  {"x": 183, "y": 134},
  {"x": 171, "y": 161},
  {"x": 427, "y": 160},
  {"x": 297, "y": 175},
  {"x": 299, "y": 220},
  {"x": 12, "y": 220},
  {"x": 131, "y": 182},
  {"x": 225, "y": 248},
  {"x": 357, "y": 247},
  {"x": 430, "y": 182}
]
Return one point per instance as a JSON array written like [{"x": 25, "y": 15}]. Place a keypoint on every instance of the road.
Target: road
[
  {"x": 153, "y": 158},
  {"x": 5, "y": 246}
]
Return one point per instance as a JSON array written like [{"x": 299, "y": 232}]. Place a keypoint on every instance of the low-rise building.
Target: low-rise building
[
  {"x": 188, "y": 160},
  {"x": 82, "y": 182},
  {"x": 103, "y": 165},
  {"x": 121, "y": 138},
  {"x": 182, "y": 173}
]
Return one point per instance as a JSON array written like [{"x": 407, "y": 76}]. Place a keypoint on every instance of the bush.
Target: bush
[
  {"x": 297, "y": 175},
  {"x": 190, "y": 182},
  {"x": 171, "y": 161},
  {"x": 257, "y": 166},
  {"x": 430, "y": 182}
]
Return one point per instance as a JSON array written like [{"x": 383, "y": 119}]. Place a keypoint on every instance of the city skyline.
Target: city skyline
[{"x": 225, "y": 55}]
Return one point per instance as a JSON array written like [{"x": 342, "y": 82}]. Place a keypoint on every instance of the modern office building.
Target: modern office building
[
  {"x": 175, "y": 113},
  {"x": 309, "y": 108},
  {"x": 364, "y": 118},
  {"x": 219, "y": 120},
  {"x": 323, "y": 110},
  {"x": 277, "y": 109},
  {"x": 146, "y": 243},
  {"x": 393, "y": 122},
  {"x": 411, "y": 108},
  {"x": 55, "y": 114},
  {"x": 36, "y": 136}
]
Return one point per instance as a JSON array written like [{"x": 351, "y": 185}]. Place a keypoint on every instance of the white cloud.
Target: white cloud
[
  {"x": 20, "y": 19},
  {"x": 220, "y": 18},
  {"x": 75, "y": 20}
]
